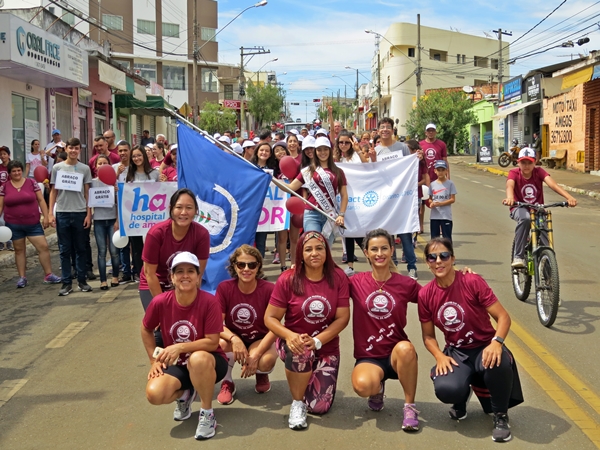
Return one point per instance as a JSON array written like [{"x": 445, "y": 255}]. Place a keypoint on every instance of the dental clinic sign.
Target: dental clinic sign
[{"x": 32, "y": 47}]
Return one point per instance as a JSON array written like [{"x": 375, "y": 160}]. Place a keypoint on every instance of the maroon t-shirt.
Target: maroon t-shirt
[
  {"x": 379, "y": 316},
  {"x": 432, "y": 152},
  {"x": 3, "y": 174},
  {"x": 168, "y": 160},
  {"x": 21, "y": 207},
  {"x": 114, "y": 159},
  {"x": 160, "y": 245},
  {"x": 529, "y": 190},
  {"x": 245, "y": 313},
  {"x": 314, "y": 311},
  {"x": 459, "y": 310},
  {"x": 184, "y": 323},
  {"x": 171, "y": 173},
  {"x": 335, "y": 183},
  {"x": 421, "y": 174}
]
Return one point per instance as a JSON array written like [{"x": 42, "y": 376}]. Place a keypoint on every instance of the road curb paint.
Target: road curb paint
[
  {"x": 112, "y": 294},
  {"x": 8, "y": 388},
  {"x": 67, "y": 334}
]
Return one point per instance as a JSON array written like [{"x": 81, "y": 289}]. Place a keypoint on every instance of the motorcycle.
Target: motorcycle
[{"x": 510, "y": 156}]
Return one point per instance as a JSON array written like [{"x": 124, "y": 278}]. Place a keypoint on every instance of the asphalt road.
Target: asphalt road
[{"x": 73, "y": 369}]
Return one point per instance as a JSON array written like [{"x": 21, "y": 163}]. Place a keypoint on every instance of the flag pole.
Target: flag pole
[{"x": 227, "y": 148}]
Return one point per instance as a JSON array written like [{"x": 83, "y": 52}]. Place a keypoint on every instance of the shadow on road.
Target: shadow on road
[{"x": 574, "y": 317}]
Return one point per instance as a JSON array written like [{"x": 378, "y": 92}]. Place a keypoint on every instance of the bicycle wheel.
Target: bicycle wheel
[
  {"x": 521, "y": 279},
  {"x": 547, "y": 293}
]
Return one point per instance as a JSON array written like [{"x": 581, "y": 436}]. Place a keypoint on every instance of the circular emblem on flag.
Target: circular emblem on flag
[{"x": 370, "y": 199}]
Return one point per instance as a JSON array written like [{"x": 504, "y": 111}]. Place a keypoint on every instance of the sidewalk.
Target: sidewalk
[
  {"x": 7, "y": 258},
  {"x": 578, "y": 182}
]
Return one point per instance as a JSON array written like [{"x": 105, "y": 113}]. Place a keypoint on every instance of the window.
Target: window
[
  {"x": 146, "y": 27},
  {"x": 208, "y": 34},
  {"x": 480, "y": 61},
  {"x": 457, "y": 59},
  {"x": 69, "y": 18},
  {"x": 174, "y": 77},
  {"x": 25, "y": 125},
  {"x": 126, "y": 64},
  {"x": 146, "y": 71},
  {"x": 494, "y": 64},
  {"x": 228, "y": 91},
  {"x": 209, "y": 80},
  {"x": 112, "y": 22},
  {"x": 170, "y": 30},
  {"x": 464, "y": 59},
  {"x": 438, "y": 55},
  {"x": 411, "y": 52}
]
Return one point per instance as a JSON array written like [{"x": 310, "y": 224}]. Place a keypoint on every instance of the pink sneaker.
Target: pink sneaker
[
  {"x": 263, "y": 385},
  {"x": 227, "y": 392}
]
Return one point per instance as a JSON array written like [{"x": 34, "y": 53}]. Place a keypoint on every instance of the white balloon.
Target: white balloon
[
  {"x": 5, "y": 234},
  {"x": 118, "y": 240}
]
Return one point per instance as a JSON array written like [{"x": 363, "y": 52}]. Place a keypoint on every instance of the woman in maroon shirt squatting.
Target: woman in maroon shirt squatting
[
  {"x": 382, "y": 350},
  {"x": 245, "y": 337},
  {"x": 192, "y": 361},
  {"x": 460, "y": 305},
  {"x": 314, "y": 299}
]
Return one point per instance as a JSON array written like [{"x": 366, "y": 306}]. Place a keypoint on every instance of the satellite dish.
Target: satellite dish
[{"x": 467, "y": 89}]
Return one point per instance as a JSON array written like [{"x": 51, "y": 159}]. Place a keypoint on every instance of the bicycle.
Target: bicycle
[{"x": 540, "y": 264}]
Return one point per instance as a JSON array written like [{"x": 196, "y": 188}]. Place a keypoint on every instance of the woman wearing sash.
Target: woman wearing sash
[{"x": 323, "y": 181}]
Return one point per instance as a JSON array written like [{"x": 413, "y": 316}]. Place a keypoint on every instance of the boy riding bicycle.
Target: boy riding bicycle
[{"x": 525, "y": 184}]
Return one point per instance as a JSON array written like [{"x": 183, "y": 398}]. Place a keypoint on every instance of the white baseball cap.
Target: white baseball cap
[
  {"x": 308, "y": 142},
  {"x": 248, "y": 143},
  {"x": 217, "y": 135},
  {"x": 322, "y": 141},
  {"x": 185, "y": 257},
  {"x": 527, "y": 153},
  {"x": 294, "y": 131},
  {"x": 237, "y": 148},
  {"x": 173, "y": 147},
  {"x": 225, "y": 139},
  {"x": 300, "y": 137},
  {"x": 256, "y": 140},
  {"x": 321, "y": 131},
  {"x": 430, "y": 125}
]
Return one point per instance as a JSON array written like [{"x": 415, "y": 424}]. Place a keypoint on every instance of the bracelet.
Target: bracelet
[
  {"x": 342, "y": 214},
  {"x": 231, "y": 338}
]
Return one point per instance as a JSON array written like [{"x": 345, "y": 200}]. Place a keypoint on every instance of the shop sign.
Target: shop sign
[
  {"x": 533, "y": 85},
  {"x": 511, "y": 90}
]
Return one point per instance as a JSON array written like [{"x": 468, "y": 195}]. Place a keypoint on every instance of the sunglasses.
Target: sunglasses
[
  {"x": 243, "y": 265},
  {"x": 344, "y": 143},
  {"x": 432, "y": 257}
]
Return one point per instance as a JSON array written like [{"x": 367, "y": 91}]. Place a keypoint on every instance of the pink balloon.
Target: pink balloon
[
  {"x": 297, "y": 220},
  {"x": 40, "y": 173},
  {"x": 289, "y": 167},
  {"x": 295, "y": 205},
  {"x": 107, "y": 175}
]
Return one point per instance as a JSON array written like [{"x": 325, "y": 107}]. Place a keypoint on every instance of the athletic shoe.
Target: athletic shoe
[
  {"x": 183, "y": 408},
  {"x": 207, "y": 425},
  {"x": 136, "y": 278},
  {"x": 283, "y": 269},
  {"x": 9, "y": 246},
  {"x": 297, "y": 419},
  {"x": 344, "y": 258},
  {"x": 518, "y": 263},
  {"x": 65, "y": 290},
  {"x": 263, "y": 385},
  {"x": 375, "y": 402},
  {"x": 22, "y": 282},
  {"x": 125, "y": 279},
  {"x": 349, "y": 271},
  {"x": 411, "y": 418},
  {"x": 403, "y": 258},
  {"x": 413, "y": 274},
  {"x": 51, "y": 279},
  {"x": 84, "y": 287},
  {"x": 90, "y": 275},
  {"x": 501, "y": 431},
  {"x": 458, "y": 412},
  {"x": 276, "y": 259},
  {"x": 227, "y": 392}
]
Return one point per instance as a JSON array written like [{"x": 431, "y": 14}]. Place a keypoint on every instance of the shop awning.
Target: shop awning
[
  {"x": 513, "y": 109},
  {"x": 153, "y": 106}
]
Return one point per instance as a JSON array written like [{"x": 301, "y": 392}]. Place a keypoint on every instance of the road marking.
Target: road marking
[
  {"x": 553, "y": 390},
  {"x": 67, "y": 334},
  {"x": 112, "y": 294},
  {"x": 502, "y": 190},
  {"x": 462, "y": 177},
  {"x": 491, "y": 187},
  {"x": 8, "y": 388},
  {"x": 473, "y": 181}
]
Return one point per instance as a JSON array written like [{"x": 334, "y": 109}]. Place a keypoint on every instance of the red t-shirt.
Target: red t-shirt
[
  {"x": 184, "y": 323},
  {"x": 168, "y": 160},
  {"x": 314, "y": 311},
  {"x": 155, "y": 164},
  {"x": 21, "y": 207},
  {"x": 459, "y": 310},
  {"x": 335, "y": 183},
  {"x": 114, "y": 159},
  {"x": 3, "y": 174},
  {"x": 160, "y": 245},
  {"x": 171, "y": 173},
  {"x": 432, "y": 152},
  {"x": 245, "y": 313},
  {"x": 529, "y": 190},
  {"x": 379, "y": 317},
  {"x": 422, "y": 172}
]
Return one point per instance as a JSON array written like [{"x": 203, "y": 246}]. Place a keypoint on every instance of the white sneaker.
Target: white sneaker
[
  {"x": 297, "y": 420},
  {"x": 518, "y": 263},
  {"x": 413, "y": 274},
  {"x": 183, "y": 408},
  {"x": 207, "y": 425},
  {"x": 349, "y": 271}
]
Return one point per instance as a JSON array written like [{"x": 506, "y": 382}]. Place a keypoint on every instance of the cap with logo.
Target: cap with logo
[
  {"x": 430, "y": 126},
  {"x": 527, "y": 153},
  {"x": 440, "y": 164},
  {"x": 55, "y": 132},
  {"x": 217, "y": 135},
  {"x": 185, "y": 257},
  {"x": 322, "y": 141},
  {"x": 293, "y": 131},
  {"x": 256, "y": 140}
]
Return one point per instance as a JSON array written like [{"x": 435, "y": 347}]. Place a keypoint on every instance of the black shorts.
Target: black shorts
[
  {"x": 384, "y": 363},
  {"x": 183, "y": 375}
]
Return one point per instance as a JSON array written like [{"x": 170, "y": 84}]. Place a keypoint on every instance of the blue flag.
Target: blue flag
[{"x": 230, "y": 194}]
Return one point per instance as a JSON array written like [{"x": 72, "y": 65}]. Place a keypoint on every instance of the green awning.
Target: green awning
[{"x": 153, "y": 106}]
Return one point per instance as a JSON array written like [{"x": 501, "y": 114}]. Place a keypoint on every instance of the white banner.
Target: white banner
[
  {"x": 143, "y": 205},
  {"x": 382, "y": 195},
  {"x": 274, "y": 215}
]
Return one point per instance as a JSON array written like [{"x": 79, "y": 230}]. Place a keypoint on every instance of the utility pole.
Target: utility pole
[
  {"x": 195, "y": 110},
  {"x": 500, "y": 63},
  {"x": 246, "y": 52},
  {"x": 418, "y": 71}
]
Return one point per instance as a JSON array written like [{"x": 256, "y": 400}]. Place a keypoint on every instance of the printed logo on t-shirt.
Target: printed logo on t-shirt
[
  {"x": 380, "y": 305},
  {"x": 316, "y": 309},
  {"x": 430, "y": 154},
  {"x": 452, "y": 316},
  {"x": 529, "y": 192},
  {"x": 243, "y": 315},
  {"x": 183, "y": 331}
]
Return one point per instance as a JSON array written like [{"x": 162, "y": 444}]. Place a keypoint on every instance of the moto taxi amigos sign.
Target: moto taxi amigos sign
[{"x": 28, "y": 41}]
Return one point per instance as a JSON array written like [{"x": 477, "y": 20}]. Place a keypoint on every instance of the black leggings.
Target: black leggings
[
  {"x": 455, "y": 387},
  {"x": 350, "y": 247}
]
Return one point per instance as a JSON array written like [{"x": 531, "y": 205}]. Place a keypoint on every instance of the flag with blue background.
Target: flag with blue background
[{"x": 230, "y": 194}]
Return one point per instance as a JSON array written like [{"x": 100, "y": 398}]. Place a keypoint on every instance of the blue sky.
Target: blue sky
[{"x": 315, "y": 40}]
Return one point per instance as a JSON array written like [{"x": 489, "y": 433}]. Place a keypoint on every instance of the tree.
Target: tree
[
  {"x": 449, "y": 111},
  {"x": 214, "y": 118},
  {"x": 264, "y": 103},
  {"x": 340, "y": 112}
]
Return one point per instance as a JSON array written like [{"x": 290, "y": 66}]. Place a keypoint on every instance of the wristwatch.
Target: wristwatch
[
  {"x": 341, "y": 214},
  {"x": 499, "y": 339},
  {"x": 318, "y": 344}
]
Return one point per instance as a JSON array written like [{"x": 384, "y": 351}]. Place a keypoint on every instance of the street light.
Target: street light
[{"x": 258, "y": 71}]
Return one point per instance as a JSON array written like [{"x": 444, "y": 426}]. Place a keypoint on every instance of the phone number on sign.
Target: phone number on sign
[{"x": 561, "y": 137}]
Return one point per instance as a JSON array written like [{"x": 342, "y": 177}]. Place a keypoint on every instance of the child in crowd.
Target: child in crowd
[{"x": 443, "y": 194}]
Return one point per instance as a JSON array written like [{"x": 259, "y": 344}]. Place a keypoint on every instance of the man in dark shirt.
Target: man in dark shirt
[{"x": 147, "y": 139}]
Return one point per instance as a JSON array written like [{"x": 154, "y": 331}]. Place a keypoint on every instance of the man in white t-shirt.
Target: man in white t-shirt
[
  {"x": 387, "y": 143},
  {"x": 54, "y": 147}
]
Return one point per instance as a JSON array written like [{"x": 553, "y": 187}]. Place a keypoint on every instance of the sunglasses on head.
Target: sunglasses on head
[
  {"x": 432, "y": 257},
  {"x": 242, "y": 265}
]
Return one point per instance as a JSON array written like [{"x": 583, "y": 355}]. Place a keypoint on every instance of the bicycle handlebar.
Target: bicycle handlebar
[{"x": 538, "y": 207}]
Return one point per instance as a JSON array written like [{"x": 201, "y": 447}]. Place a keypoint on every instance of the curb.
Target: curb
[
  {"x": 592, "y": 194},
  {"x": 9, "y": 259}
]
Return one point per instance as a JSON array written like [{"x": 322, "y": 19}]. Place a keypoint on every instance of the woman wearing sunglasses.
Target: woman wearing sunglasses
[
  {"x": 475, "y": 356},
  {"x": 314, "y": 299},
  {"x": 245, "y": 338}
]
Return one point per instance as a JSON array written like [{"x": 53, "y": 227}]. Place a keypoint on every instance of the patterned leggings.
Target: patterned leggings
[{"x": 320, "y": 392}]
